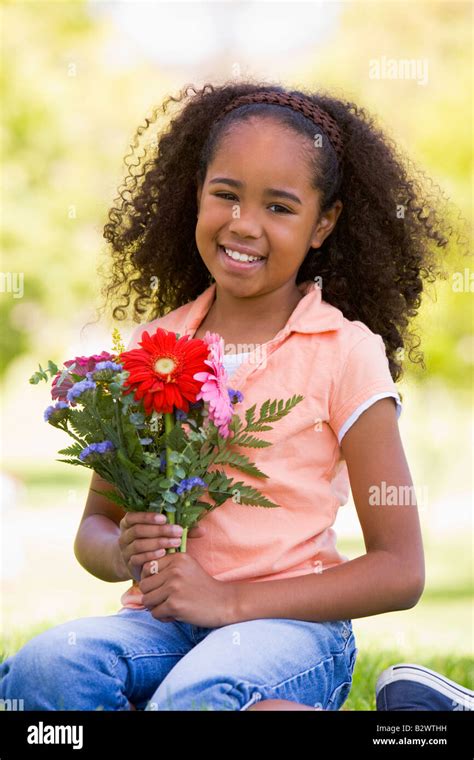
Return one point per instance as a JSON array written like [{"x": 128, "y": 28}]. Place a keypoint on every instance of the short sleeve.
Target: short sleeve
[{"x": 365, "y": 378}]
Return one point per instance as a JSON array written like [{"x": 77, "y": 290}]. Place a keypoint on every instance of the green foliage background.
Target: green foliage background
[{"x": 70, "y": 109}]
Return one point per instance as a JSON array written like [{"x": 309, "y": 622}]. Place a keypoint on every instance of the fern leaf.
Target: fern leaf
[
  {"x": 71, "y": 451},
  {"x": 250, "y": 414},
  {"x": 240, "y": 462},
  {"x": 252, "y": 497},
  {"x": 250, "y": 441}
]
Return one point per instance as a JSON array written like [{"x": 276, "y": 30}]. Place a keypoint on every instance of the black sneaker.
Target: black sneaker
[{"x": 409, "y": 686}]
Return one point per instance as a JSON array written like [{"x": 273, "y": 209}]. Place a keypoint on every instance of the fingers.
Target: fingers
[
  {"x": 148, "y": 518},
  {"x": 138, "y": 560},
  {"x": 150, "y": 567},
  {"x": 134, "y": 528},
  {"x": 141, "y": 545},
  {"x": 145, "y": 536},
  {"x": 140, "y": 531}
]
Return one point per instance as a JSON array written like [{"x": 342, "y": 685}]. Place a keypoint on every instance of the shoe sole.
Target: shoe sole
[{"x": 427, "y": 677}]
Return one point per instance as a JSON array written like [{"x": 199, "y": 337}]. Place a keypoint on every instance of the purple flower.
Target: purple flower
[
  {"x": 53, "y": 414},
  {"x": 180, "y": 415},
  {"x": 105, "y": 370},
  {"x": 79, "y": 388},
  {"x": 235, "y": 396},
  {"x": 108, "y": 365},
  {"x": 188, "y": 483},
  {"x": 104, "y": 447}
]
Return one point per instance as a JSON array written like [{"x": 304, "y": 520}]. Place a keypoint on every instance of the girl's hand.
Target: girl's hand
[
  {"x": 176, "y": 587},
  {"x": 145, "y": 536}
]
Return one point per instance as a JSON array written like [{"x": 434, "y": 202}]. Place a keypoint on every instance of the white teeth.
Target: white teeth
[{"x": 240, "y": 256}]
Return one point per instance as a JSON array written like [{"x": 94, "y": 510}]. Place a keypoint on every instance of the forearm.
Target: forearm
[
  {"x": 97, "y": 549},
  {"x": 368, "y": 585}
]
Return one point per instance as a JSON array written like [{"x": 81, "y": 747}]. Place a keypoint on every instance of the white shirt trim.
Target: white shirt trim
[
  {"x": 365, "y": 405},
  {"x": 232, "y": 361}
]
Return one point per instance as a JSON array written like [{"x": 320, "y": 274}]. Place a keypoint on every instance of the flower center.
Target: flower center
[{"x": 164, "y": 365}]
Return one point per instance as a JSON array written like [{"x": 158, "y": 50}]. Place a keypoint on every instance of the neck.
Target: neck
[{"x": 246, "y": 314}]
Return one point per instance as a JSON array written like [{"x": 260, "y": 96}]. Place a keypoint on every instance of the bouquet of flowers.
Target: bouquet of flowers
[{"x": 154, "y": 420}]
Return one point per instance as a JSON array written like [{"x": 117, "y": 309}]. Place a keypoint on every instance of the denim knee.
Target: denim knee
[
  {"x": 62, "y": 668},
  {"x": 210, "y": 693}
]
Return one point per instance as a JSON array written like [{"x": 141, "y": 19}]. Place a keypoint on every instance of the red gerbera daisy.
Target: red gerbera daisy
[{"x": 162, "y": 370}]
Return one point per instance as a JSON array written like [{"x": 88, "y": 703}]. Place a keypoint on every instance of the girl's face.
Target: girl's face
[{"x": 257, "y": 199}]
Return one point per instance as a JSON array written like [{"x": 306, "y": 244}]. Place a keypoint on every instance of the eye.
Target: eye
[
  {"x": 221, "y": 195},
  {"x": 286, "y": 210},
  {"x": 274, "y": 205}
]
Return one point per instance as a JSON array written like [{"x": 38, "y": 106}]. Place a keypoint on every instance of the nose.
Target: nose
[{"x": 244, "y": 225}]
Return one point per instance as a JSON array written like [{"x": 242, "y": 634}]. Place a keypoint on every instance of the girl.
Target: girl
[{"x": 285, "y": 222}]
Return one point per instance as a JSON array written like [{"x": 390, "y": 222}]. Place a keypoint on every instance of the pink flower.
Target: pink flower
[
  {"x": 84, "y": 364},
  {"x": 214, "y": 385}
]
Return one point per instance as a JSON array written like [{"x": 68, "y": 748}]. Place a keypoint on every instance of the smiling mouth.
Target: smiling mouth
[{"x": 241, "y": 258}]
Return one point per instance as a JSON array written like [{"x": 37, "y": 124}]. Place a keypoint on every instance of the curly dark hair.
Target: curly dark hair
[{"x": 371, "y": 266}]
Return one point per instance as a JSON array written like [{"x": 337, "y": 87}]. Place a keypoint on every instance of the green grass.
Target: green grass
[{"x": 369, "y": 666}]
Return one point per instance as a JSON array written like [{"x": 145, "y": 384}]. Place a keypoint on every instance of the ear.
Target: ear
[{"x": 326, "y": 224}]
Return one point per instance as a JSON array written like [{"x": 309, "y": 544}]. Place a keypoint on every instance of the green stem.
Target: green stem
[{"x": 169, "y": 424}]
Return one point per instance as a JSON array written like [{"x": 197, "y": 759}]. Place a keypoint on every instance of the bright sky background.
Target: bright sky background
[{"x": 184, "y": 34}]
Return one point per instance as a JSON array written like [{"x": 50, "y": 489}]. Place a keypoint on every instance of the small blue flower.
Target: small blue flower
[
  {"x": 180, "y": 415},
  {"x": 188, "y": 483},
  {"x": 54, "y": 408},
  {"x": 79, "y": 388},
  {"x": 108, "y": 365},
  {"x": 235, "y": 396},
  {"x": 104, "y": 447}
]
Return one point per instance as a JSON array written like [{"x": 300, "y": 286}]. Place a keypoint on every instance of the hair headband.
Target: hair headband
[{"x": 297, "y": 103}]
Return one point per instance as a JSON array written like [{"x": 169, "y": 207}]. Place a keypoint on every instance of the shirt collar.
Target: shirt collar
[{"x": 311, "y": 314}]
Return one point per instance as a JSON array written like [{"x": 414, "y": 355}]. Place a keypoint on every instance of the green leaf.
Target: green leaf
[
  {"x": 38, "y": 376},
  {"x": 156, "y": 506},
  {"x": 83, "y": 423},
  {"x": 127, "y": 463},
  {"x": 249, "y": 440},
  {"x": 176, "y": 439},
  {"x": 73, "y": 450},
  {"x": 240, "y": 462},
  {"x": 250, "y": 414},
  {"x": 252, "y": 497},
  {"x": 171, "y": 497}
]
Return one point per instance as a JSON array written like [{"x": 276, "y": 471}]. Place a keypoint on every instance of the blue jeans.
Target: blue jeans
[{"x": 111, "y": 661}]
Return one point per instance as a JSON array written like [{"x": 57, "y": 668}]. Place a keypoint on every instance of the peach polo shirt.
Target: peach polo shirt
[{"x": 341, "y": 368}]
